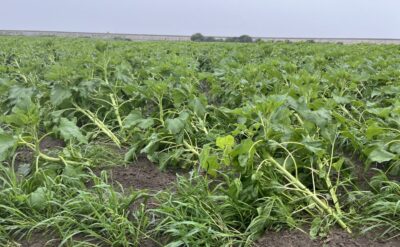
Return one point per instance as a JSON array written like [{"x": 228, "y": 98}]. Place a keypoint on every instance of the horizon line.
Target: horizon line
[{"x": 184, "y": 35}]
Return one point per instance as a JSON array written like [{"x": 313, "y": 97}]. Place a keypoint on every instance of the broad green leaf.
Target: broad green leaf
[
  {"x": 225, "y": 142},
  {"x": 341, "y": 99},
  {"x": 58, "y": 94},
  {"x": 208, "y": 161},
  {"x": 132, "y": 119},
  {"x": 24, "y": 113},
  {"x": 7, "y": 143},
  {"x": 243, "y": 148},
  {"x": 175, "y": 125},
  {"x": 17, "y": 93},
  {"x": 373, "y": 130},
  {"x": 383, "y": 112},
  {"x": 314, "y": 146},
  {"x": 198, "y": 107},
  {"x": 315, "y": 227},
  {"x": 69, "y": 131},
  {"x": 131, "y": 154},
  {"x": 38, "y": 198},
  {"x": 135, "y": 119},
  {"x": 243, "y": 153},
  {"x": 146, "y": 123},
  {"x": 380, "y": 155},
  {"x": 395, "y": 147},
  {"x": 338, "y": 164},
  {"x": 24, "y": 169},
  {"x": 152, "y": 145}
]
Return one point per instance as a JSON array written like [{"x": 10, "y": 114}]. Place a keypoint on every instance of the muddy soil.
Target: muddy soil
[
  {"x": 364, "y": 176},
  {"x": 336, "y": 238},
  {"x": 25, "y": 155},
  {"x": 142, "y": 175},
  {"x": 39, "y": 240}
]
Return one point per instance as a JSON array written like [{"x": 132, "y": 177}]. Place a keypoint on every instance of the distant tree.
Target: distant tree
[
  {"x": 245, "y": 39},
  {"x": 242, "y": 39},
  {"x": 209, "y": 39},
  {"x": 197, "y": 37},
  {"x": 230, "y": 39}
]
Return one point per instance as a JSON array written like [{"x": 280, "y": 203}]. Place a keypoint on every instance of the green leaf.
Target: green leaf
[
  {"x": 198, "y": 107},
  {"x": 383, "y": 112},
  {"x": 177, "y": 243},
  {"x": 380, "y": 155},
  {"x": 16, "y": 94},
  {"x": 225, "y": 142},
  {"x": 243, "y": 153},
  {"x": 146, "y": 123},
  {"x": 132, "y": 119},
  {"x": 24, "y": 169},
  {"x": 38, "y": 198},
  {"x": 131, "y": 154},
  {"x": 315, "y": 227},
  {"x": 373, "y": 130},
  {"x": 135, "y": 119},
  {"x": 58, "y": 94},
  {"x": 175, "y": 125},
  {"x": 341, "y": 99},
  {"x": 395, "y": 147},
  {"x": 69, "y": 131},
  {"x": 24, "y": 113},
  {"x": 338, "y": 164},
  {"x": 7, "y": 143},
  {"x": 152, "y": 145},
  {"x": 314, "y": 146},
  {"x": 209, "y": 162}
]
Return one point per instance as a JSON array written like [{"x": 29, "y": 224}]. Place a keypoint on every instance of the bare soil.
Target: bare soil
[
  {"x": 25, "y": 155},
  {"x": 336, "y": 238},
  {"x": 143, "y": 175},
  {"x": 39, "y": 240}
]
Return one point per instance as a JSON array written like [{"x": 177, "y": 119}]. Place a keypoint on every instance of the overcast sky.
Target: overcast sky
[{"x": 274, "y": 18}]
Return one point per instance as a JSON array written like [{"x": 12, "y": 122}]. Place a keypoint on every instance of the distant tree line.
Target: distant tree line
[{"x": 198, "y": 37}]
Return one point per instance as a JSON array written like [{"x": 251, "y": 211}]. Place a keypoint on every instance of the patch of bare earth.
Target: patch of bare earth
[
  {"x": 39, "y": 240},
  {"x": 336, "y": 238},
  {"x": 142, "y": 175}
]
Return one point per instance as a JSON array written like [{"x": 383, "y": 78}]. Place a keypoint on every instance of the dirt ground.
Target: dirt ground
[
  {"x": 38, "y": 240},
  {"x": 142, "y": 175},
  {"x": 337, "y": 238},
  {"x": 284, "y": 238}
]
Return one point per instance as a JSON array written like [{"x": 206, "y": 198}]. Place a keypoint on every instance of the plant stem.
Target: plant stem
[
  {"x": 99, "y": 124},
  {"x": 191, "y": 148},
  {"x": 116, "y": 109},
  {"x": 306, "y": 191},
  {"x": 328, "y": 182},
  {"x": 160, "y": 105}
]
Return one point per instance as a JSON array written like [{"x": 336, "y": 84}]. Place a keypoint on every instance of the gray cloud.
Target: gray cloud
[{"x": 278, "y": 18}]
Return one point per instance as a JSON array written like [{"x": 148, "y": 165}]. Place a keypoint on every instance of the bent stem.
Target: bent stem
[
  {"x": 44, "y": 156},
  {"x": 116, "y": 109},
  {"x": 307, "y": 192},
  {"x": 99, "y": 124},
  {"x": 328, "y": 182}
]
